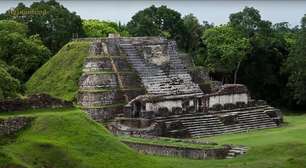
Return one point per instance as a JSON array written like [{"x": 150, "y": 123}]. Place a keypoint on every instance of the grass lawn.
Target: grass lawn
[{"x": 68, "y": 139}]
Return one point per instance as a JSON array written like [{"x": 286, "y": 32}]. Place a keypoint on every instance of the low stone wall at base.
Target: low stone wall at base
[
  {"x": 190, "y": 153},
  {"x": 35, "y": 101},
  {"x": 103, "y": 114},
  {"x": 10, "y": 126}
]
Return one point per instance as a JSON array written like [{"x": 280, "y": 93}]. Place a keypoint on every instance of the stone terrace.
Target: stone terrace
[
  {"x": 202, "y": 124},
  {"x": 157, "y": 81}
]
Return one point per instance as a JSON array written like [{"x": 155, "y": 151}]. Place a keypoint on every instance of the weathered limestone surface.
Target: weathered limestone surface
[
  {"x": 99, "y": 98},
  {"x": 96, "y": 63},
  {"x": 12, "y": 125},
  {"x": 105, "y": 113},
  {"x": 107, "y": 81},
  {"x": 203, "y": 124},
  {"x": 161, "y": 77},
  {"x": 191, "y": 153},
  {"x": 103, "y": 80},
  {"x": 148, "y": 73}
]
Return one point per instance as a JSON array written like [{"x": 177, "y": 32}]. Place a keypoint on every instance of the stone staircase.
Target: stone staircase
[
  {"x": 236, "y": 151},
  {"x": 203, "y": 124},
  {"x": 156, "y": 80}
]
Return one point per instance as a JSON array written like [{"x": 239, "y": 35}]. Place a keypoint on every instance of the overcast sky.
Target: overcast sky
[{"x": 212, "y": 11}]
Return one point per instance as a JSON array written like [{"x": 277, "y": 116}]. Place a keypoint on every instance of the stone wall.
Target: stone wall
[
  {"x": 225, "y": 99},
  {"x": 228, "y": 94},
  {"x": 105, "y": 113},
  {"x": 169, "y": 104},
  {"x": 33, "y": 102},
  {"x": 12, "y": 125},
  {"x": 191, "y": 153},
  {"x": 99, "y": 98},
  {"x": 107, "y": 81}
]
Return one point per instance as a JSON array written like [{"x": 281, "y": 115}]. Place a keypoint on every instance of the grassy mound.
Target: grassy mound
[
  {"x": 68, "y": 139},
  {"x": 59, "y": 76}
]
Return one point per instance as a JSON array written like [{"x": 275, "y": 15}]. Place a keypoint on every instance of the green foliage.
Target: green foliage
[
  {"x": 59, "y": 76},
  {"x": 10, "y": 26},
  {"x": 261, "y": 72},
  {"x": 55, "y": 24},
  {"x": 266, "y": 51},
  {"x": 9, "y": 86},
  {"x": 192, "y": 34},
  {"x": 226, "y": 49},
  {"x": 23, "y": 54},
  {"x": 96, "y": 28},
  {"x": 157, "y": 21},
  {"x": 67, "y": 138},
  {"x": 296, "y": 67},
  {"x": 246, "y": 21}
]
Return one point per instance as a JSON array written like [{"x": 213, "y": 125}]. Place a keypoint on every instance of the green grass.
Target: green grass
[
  {"x": 38, "y": 112},
  {"x": 59, "y": 76},
  {"x": 66, "y": 138}
]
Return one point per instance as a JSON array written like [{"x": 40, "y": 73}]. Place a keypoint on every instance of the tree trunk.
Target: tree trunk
[{"x": 236, "y": 72}]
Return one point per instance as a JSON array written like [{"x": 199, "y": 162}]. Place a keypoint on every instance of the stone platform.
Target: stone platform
[{"x": 139, "y": 85}]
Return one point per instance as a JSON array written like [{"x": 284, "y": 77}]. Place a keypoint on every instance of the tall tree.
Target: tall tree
[
  {"x": 54, "y": 23},
  {"x": 24, "y": 55},
  {"x": 193, "y": 33},
  {"x": 157, "y": 21},
  {"x": 261, "y": 72},
  {"x": 9, "y": 86},
  {"x": 97, "y": 28},
  {"x": 247, "y": 21},
  {"x": 296, "y": 66},
  {"x": 226, "y": 49}
]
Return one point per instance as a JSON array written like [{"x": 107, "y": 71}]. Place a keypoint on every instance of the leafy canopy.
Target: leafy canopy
[
  {"x": 56, "y": 25},
  {"x": 296, "y": 66},
  {"x": 261, "y": 72},
  {"x": 192, "y": 33},
  {"x": 157, "y": 21},
  {"x": 97, "y": 28},
  {"x": 22, "y": 54},
  {"x": 9, "y": 86},
  {"x": 226, "y": 48}
]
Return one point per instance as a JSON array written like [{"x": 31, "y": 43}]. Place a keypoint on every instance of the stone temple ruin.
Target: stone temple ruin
[{"x": 140, "y": 85}]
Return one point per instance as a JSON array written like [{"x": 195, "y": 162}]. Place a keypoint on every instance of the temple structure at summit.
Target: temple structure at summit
[{"x": 140, "y": 85}]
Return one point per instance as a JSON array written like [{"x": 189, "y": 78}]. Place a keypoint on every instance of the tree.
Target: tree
[
  {"x": 284, "y": 31},
  {"x": 193, "y": 33},
  {"x": 96, "y": 28},
  {"x": 22, "y": 54},
  {"x": 226, "y": 49},
  {"x": 296, "y": 66},
  {"x": 247, "y": 21},
  {"x": 157, "y": 21},
  {"x": 10, "y": 26},
  {"x": 261, "y": 71},
  {"x": 9, "y": 86},
  {"x": 55, "y": 24}
]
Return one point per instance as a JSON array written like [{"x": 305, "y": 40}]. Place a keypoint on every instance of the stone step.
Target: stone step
[
  {"x": 205, "y": 125},
  {"x": 154, "y": 78},
  {"x": 229, "y": 157}
]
